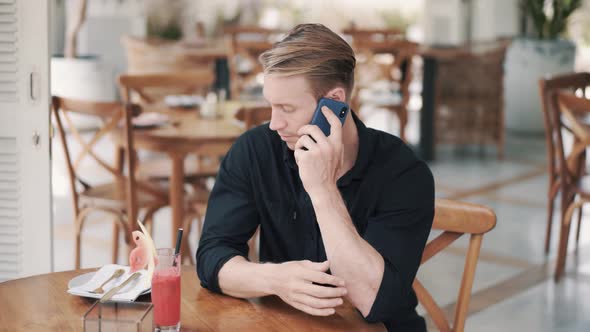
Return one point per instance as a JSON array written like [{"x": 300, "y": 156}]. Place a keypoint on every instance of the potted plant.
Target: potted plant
[{"x": 541, "y": 50}]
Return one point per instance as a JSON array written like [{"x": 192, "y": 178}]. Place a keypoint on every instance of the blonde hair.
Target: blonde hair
[{"x": 316, "y": 52}]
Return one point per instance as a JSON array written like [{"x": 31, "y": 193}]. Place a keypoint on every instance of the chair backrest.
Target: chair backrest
[
  {"x": 111, "y": 114},
  {"x": 569, "y": 113},
  {"x": 462, "y": 75},
  {"x": 152, "y": 88},
  {"x": 116, "y": 120},
  {"x": 253, "y": 116},
  {"x": 155, "y": 55},
  {"x": 245, "y": 44},
  {"x": 455, "y": 219},
  {"x": 548, "y": 87}
]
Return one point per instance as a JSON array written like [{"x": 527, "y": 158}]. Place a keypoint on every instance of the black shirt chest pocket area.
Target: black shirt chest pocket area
[
  {"x": 284, "y": 218},
  {"x": 281, "y": 212}
]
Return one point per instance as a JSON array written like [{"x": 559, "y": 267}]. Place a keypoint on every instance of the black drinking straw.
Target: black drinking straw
[{"x": 178, "y": 240}]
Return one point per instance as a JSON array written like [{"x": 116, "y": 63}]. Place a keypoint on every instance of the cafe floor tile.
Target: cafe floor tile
[{"x": 545, "y": 307}]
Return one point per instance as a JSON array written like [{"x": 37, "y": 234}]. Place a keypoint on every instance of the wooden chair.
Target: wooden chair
[
  {"x": 387, "y": 54},
  {"x": 245, "y": 44},
  {"x": 124, "y": 197},
  {"x": 469, "y": 99},
  {"x": 547, "y": 87},
  {"x": 152, "y": 88},
  {"x": 455, "y": 219},
  {"x": 572, "y": 112},
  {"x": 155, "y": 55}
]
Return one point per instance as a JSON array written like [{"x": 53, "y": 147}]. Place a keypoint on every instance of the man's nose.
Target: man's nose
[{"x": 277, "y": 122}]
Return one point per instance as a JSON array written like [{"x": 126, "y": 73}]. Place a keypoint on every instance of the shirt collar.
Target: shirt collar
[
  {"x": 358, "y": 171},
  {"x": 362, "y": 159},
  {"x": 288, "y": 155}
]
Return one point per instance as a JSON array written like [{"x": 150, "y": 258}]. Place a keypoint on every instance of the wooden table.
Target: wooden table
[
  {"x": 40, "y": 303},
  {"x": 187, "y": 133}
]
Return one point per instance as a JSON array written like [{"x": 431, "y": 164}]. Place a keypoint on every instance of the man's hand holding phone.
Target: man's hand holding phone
[{"x": 319, "y": 165}]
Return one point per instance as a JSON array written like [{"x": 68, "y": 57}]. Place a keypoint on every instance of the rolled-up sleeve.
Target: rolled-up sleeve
[
  {"x": 398, "y": 230},
  {"x": 231, "y": 217}
]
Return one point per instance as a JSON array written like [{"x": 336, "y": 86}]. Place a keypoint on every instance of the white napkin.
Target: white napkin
[
  {"x": 129, "y": 293},
  {"x": 183, "y": 100},
  {"x": 150, "y": 119}
]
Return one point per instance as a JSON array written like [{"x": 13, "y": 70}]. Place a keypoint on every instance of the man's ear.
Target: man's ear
[{"x": 337, "y": 94}]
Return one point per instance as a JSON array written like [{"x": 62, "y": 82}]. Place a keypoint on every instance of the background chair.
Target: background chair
[
  {"x": 455, "y": 219},
  {"x": 469, "y": 99},
  {"x": 156, "y": 55},
  {"x": 570, "y": 111},
  {"x": 123, "y": 197},
  {"x": 150, "y": 89},
  {"x": 547, "y": 87}
]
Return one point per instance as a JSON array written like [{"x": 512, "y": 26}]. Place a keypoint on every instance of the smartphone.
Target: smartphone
[{"x": 339, "y": 108}]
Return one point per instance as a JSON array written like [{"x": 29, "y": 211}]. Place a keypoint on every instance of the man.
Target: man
[{"x": 343, "y": 216}]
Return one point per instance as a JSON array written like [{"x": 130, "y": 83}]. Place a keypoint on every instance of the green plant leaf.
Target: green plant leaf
[{"x": 549, "y": 27}]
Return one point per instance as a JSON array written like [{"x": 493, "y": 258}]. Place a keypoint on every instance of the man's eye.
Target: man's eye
[{"x": 288, "y": 109}]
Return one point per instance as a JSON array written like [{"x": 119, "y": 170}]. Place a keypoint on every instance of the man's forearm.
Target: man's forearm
[
  {"x": 350, "y": 256},
  {"x": 241, "y": 278}
]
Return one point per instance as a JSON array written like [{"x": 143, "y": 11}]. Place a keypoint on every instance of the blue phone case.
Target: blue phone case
[{"x": 339, "y": 108}]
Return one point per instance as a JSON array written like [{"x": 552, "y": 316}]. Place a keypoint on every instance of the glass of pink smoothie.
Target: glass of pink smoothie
[{"x": 166, "y": 291}]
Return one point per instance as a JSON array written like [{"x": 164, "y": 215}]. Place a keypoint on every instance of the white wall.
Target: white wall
[
  {"x": 445, "y": 21},
  {"x": 106, "y": 22},
  {"x": 494, "y": 18},
  {"x": 57, "y": 26}
]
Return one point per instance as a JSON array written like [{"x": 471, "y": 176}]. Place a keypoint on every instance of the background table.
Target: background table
[
  {"x": 187, "y": 133},
  {"x": 40, "y": 303}
]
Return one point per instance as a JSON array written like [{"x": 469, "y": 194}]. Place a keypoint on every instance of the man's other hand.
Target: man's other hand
[{"x": 297, "y": 283}]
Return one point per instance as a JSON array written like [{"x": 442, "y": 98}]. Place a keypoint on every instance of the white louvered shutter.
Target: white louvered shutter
[{"x": 25, "y": 201}]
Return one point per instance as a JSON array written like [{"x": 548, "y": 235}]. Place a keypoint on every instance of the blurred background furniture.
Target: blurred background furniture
[
  {"x": 152, "y": 89},
  {"x": 459, "y": 106},
  {"x": 469, "y": 104},
  {"x": 187, "y": 134},
  {"x": 547, "y": 88},
  {"x": 383, "y": 71},
  {"x": 122, "y": 197},
  {"x": 253, "y": 116},
  {"x": 245, "y": 44},
  {"x": 154, "y": 55},
  {"x": 571, "y": 111}
]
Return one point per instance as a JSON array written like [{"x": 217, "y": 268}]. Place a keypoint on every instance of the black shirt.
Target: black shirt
[{"x": 389, "y": 194}]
